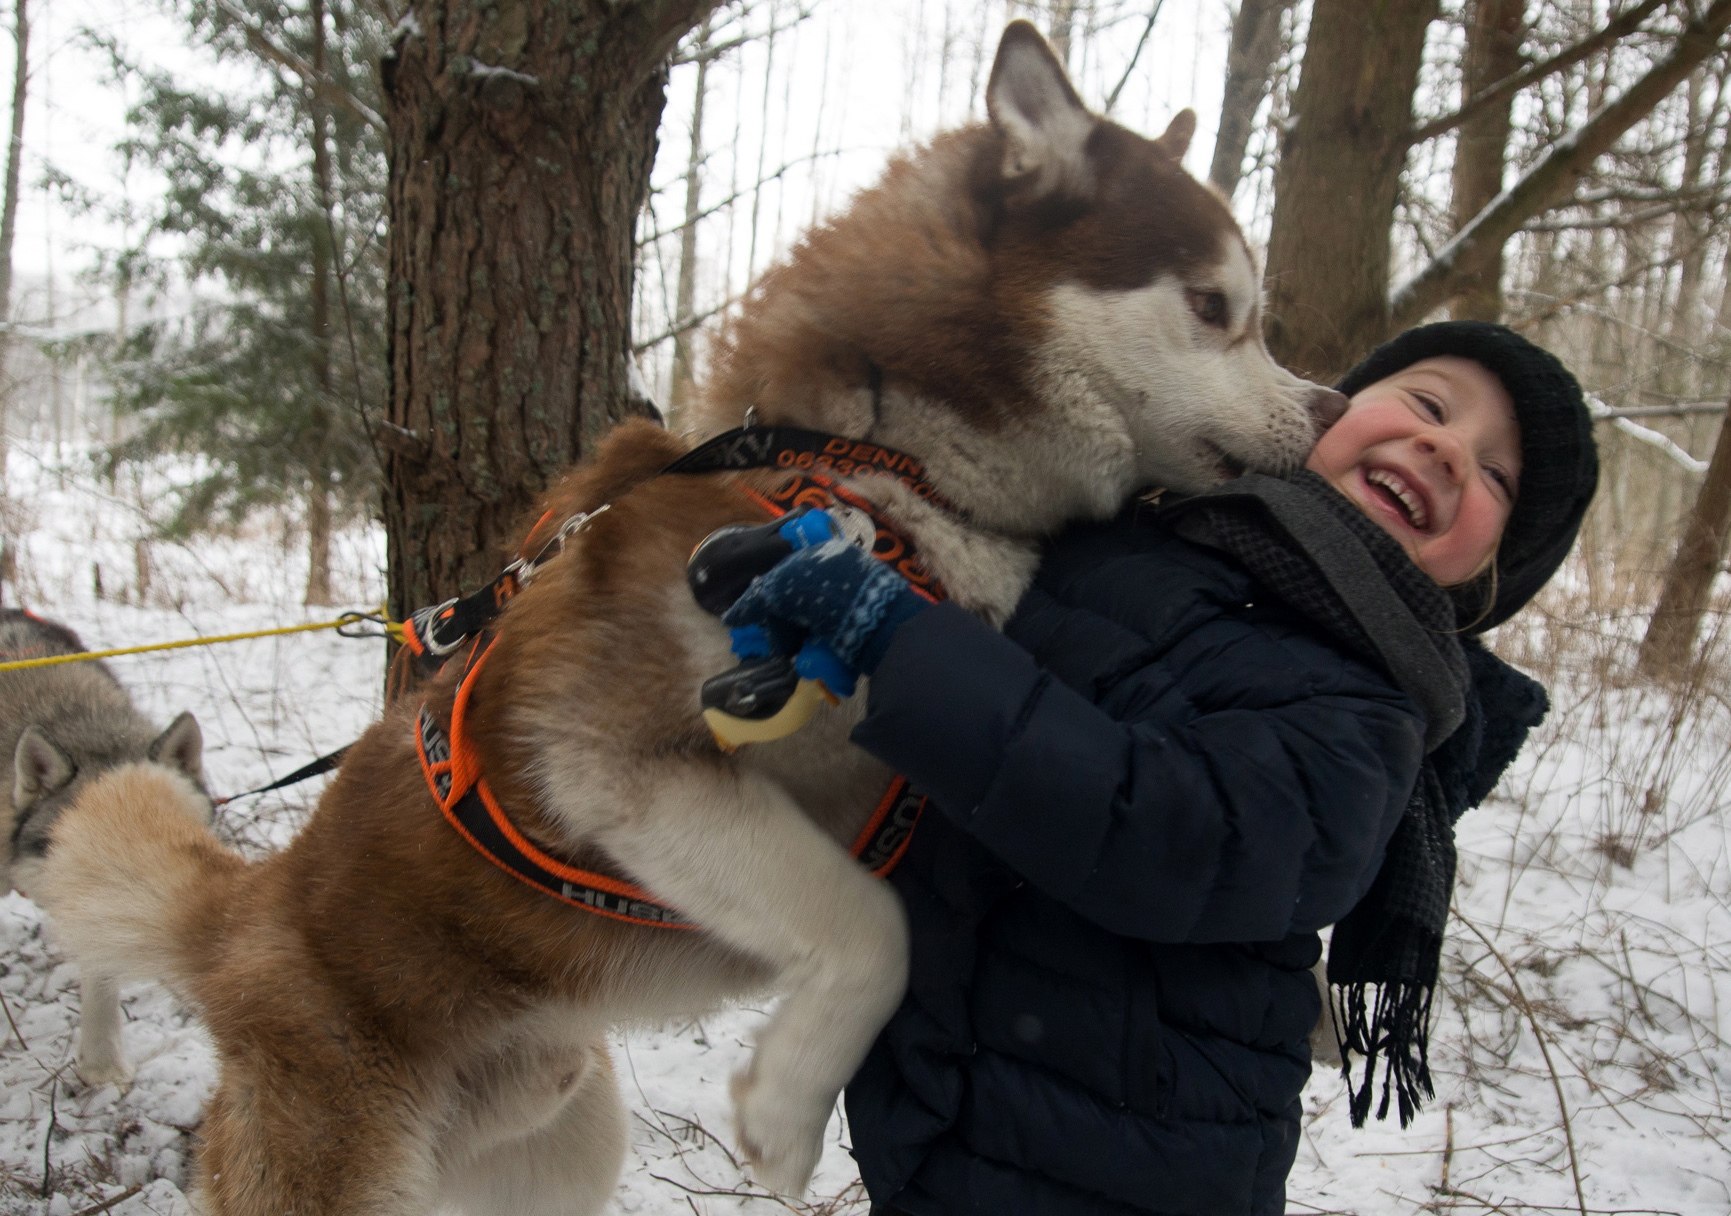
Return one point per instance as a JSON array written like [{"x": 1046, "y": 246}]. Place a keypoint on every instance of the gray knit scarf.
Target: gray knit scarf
[{"x": 1312, "y": 548}]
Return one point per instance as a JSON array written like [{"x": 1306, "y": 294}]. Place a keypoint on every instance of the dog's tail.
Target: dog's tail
[{"x": 135, "y": 884}]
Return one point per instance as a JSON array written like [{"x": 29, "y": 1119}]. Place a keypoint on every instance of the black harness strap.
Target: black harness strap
[
  {"x": 433, "y": 633},
  {"x": 801, "y": 451}
]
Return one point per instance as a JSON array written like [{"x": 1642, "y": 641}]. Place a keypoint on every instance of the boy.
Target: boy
[{"x": 1209, "y": 731}]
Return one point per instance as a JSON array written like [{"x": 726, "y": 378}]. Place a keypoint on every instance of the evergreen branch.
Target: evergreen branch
[
  {"x": 1619, "y": 27},
  {"x": 1560, "y": 168},
  {"x": 320, "y": 82}
]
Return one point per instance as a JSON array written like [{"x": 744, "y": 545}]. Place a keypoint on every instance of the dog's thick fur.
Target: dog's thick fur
[
  {"x": 1045, "y": 310},
  {"x": 59, "y": 726}
]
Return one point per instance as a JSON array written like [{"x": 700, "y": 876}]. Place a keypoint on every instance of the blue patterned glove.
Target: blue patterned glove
[{"x": 833, "y": 592}]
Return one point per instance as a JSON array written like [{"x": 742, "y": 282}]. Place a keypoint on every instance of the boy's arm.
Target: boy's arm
[{"x": 1231, "y": 824}]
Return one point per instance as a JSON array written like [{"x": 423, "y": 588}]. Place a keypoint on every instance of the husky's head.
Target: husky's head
[
  {"x": 1046, "y": 309},
  {"x": 1150, "y": 298},
  {"x": 48, "y": 771}
]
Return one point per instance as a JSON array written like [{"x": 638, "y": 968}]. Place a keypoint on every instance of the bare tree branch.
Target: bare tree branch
[
  {"x": 710, "y": 52},
  {"x": 742, "y": 192},
  {"x": 1153, "y": 16},
  {"x": 1658, "y": 441},
  {"x": 1556, "y": 172},
  {"x": 1629, "y": 193},
  {"x": 1630, "y": 219},
  {"x": 1619, "y": 27},
  {"x": 683, "y": 325},
  {"x": 1683, "y": 409}
]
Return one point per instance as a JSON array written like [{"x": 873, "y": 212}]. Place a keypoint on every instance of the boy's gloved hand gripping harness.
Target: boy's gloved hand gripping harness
[{"x": 809, "y": 612}]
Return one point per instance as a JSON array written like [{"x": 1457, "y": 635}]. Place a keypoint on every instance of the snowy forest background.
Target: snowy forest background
[{"x": 197, "y": 408}]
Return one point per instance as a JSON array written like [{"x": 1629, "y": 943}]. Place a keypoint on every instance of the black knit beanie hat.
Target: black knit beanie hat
[{"x": 1559, "y": 462}]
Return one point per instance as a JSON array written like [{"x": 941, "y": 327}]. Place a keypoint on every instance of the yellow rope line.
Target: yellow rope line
[{"x": 394, "y": 628}]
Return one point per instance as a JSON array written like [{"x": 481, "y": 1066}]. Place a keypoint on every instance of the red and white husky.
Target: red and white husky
[{"x": 1045, "y": 313}]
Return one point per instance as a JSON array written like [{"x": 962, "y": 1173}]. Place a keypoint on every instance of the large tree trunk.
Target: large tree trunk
[
  {"x": 1250, "y": 58},
  {"x": 1495, "y": 29},
  {"x": 521, "y": 134},
  {"x": 1670, "y": 640},
  {"x": 1338, "y": 181}
]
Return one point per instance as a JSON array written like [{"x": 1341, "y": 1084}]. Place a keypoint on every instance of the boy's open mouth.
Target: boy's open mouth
[{"x": 1400, "y": 495}]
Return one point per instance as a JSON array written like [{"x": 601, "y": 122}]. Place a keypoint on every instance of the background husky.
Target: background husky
[
  {"x": 59, "y": 726},
  {"x": 1047, "y": 313}
]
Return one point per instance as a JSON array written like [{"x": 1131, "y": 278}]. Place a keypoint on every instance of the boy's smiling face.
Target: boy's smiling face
[{"x": 1433, "y": 455}]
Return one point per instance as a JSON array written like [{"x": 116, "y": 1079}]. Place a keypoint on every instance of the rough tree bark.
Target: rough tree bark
[
  {"x": 521, "y": 135},
  {"x": 1670, "y": 640},
  {"x": 1250, "y": 56},
  {"x": 1495, "y": 29},
  {"x": 1338, "y": 180}
]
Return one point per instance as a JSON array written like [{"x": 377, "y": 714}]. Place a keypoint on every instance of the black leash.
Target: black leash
[{"x": 305, "y": 772}]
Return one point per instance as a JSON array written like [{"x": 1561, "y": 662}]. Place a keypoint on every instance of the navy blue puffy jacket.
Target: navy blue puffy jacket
[{"x": 1149, "y": 793}]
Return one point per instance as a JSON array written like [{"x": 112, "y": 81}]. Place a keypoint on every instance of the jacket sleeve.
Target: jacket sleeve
[{"x": 1245, "y": 820}]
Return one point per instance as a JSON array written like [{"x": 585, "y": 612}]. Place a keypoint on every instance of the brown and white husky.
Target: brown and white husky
[{"x": 1042, "y": 313}]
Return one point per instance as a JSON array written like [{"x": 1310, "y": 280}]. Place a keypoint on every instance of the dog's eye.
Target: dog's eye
[{"x": 1209, "y": 307}]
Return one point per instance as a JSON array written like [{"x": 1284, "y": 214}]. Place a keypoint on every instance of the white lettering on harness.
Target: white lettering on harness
[{"x": 619, "y": 905}]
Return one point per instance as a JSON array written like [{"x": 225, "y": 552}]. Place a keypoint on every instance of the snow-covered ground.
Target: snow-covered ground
[{"x": 1580, "y": 1042}]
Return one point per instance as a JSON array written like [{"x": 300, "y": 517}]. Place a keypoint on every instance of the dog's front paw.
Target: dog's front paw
[
  {"x": 99, "y": 1069},
  {"x": 780, "y": 1135}
]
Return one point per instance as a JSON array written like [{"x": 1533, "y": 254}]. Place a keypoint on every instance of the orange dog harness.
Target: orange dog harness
[
  {"x": 451, "y": 763},
  {"x": 452, "y": 768}
]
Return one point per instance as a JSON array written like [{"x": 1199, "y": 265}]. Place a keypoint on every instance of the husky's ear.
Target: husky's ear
[
  {"x": 181, "y": 746},
  {"x": 38, "y": 766},
  {"x": 1044, "y": 123},
  {"x": 1176, "y": 142}
]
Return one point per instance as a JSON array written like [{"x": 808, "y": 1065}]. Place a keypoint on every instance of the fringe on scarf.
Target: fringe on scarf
[{"x": 1390, "y": 1021}]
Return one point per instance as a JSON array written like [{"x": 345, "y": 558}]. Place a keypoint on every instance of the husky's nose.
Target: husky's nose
[{"x": 1326, "y": 406}]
